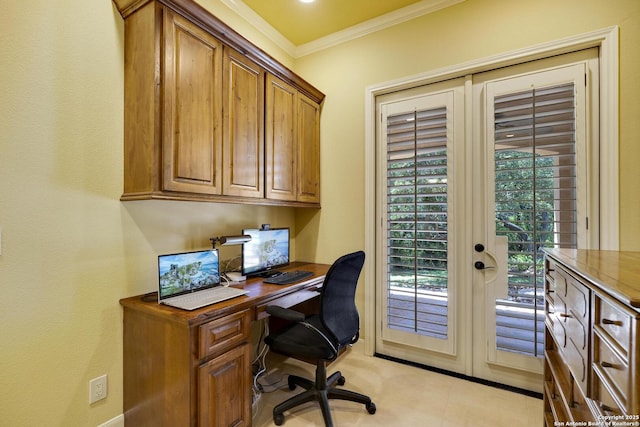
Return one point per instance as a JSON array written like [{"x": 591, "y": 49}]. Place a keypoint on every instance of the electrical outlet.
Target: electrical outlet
[{"x": 97, "y": 389}]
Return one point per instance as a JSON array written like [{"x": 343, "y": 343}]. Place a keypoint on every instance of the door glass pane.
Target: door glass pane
[
  {"x": 535, "y": 203},
  {"x": 417, "y": 268}
]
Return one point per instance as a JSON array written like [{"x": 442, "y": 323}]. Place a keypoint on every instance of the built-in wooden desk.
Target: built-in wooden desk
[{"x": 193, "y": 368}]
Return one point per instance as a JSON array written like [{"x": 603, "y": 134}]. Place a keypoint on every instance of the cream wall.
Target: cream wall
[
  {"x": 71, "y": 249},
  {"x": 471, "y": 30}
]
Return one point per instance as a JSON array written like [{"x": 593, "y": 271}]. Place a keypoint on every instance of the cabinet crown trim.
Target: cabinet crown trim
[{"x": 199, "y": 15}]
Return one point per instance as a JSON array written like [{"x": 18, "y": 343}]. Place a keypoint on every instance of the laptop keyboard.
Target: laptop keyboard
[
  {"x": 288, "y": 277},
  {"x": 208, "y": 297}
]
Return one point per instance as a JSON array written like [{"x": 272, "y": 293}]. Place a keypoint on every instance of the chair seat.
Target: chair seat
[{"x": 299, "y": 340}]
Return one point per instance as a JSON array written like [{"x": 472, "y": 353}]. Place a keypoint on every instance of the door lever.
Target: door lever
[{"x": 479, "y": 265}]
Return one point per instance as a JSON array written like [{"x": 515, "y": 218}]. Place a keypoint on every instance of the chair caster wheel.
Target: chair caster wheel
[
  {"x": 371, "y": 408},
  {"x": 292, "y": 384},
  {"x": 278, "y": 419},
  {"x": 342, "y": 380}
]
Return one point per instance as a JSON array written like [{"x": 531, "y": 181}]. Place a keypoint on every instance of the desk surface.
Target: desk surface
[{"x": 259, "y": 293}]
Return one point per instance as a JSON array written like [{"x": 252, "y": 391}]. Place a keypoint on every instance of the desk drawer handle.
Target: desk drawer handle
[
  {"x": 611, "y": 322},
  {"x": 608, "y": 365},
  {"x": 565, "y": 315}
]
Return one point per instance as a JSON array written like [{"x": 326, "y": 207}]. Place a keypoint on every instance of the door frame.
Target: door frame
[{"x": 606, "y": 40}]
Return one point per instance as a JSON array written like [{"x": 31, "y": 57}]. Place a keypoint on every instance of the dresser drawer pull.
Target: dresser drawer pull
[
  {"x": 611, "y": 322},
  {"x": 565, "y": 315},
  {"x": 550, "y": 291},
  {"x": 608, "y": 365},
  {"x": 606, "y": 408}
]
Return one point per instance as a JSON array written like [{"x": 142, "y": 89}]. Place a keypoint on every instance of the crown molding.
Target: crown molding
[
  {"x": 239, "y": 7},
  {"x": 390, "y": 19}
]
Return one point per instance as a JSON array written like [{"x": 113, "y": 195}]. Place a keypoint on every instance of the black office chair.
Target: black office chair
[{"x": 320, "y": 337}]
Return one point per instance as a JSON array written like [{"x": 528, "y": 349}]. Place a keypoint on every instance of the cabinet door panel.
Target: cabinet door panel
[
  {"x": 281, "y": 153},
  {"x": 308, "y": 150},
  {"x": 192, "y": 108},
  {"x": 243, "y": 126},
  {"x": 224, "y": 389}
]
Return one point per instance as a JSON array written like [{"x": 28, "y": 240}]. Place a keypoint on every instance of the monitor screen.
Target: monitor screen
[
  {"x": 267, "y": 249},
  {"x": 188, "y": 272}
]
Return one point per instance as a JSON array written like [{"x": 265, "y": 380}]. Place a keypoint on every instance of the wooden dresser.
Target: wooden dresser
[{"x": 592, "y": 338}]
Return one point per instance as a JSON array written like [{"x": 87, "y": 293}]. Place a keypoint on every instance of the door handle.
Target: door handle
[{"x": 479, "y": 265}]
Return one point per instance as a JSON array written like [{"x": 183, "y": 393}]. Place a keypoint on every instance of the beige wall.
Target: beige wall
[
  {"x": 71, "y": 249},
  {"x": 471, "y": 30}
]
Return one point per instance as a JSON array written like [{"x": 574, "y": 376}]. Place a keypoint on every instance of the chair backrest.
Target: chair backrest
[{"x": 338, "y": 310}]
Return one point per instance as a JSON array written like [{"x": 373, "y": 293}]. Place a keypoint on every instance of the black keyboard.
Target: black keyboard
[{"x": 288, "y": 277}]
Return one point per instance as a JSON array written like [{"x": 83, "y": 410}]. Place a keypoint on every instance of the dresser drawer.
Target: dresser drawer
[
  {"x": 613, "y": 369},
  {"x": 578, "y": 362},
  {"x": 614, "y": 321},
  {"x": 578, "y": 334},
  {"x": 558, "y": 282},
  {"x": 224, "y": 333},
  {"x": 604, "y": 400},
  {"x": 577, "y": 300},
  {"x": 559, "y": 330}
]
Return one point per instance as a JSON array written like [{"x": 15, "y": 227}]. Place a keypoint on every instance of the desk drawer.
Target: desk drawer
[
  {"x": 287, "y": 301},
  {"x": 224, "y": 333}
]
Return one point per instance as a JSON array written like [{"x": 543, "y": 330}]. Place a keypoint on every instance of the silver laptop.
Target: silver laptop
[{"x": 191, "y": 280}]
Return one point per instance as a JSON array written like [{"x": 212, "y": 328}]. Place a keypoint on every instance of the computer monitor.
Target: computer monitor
[{"x": 267, "y": 250}]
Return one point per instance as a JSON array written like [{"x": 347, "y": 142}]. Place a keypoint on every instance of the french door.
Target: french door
[{"x": 476, "y": 176}]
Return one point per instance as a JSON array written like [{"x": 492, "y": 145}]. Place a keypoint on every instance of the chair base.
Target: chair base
[{"x": 321, "y": 391}]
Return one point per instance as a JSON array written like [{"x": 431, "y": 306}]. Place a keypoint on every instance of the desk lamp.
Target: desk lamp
[
  {"x": 230, "y": 240},
  {"x": 233, "y": 276}
]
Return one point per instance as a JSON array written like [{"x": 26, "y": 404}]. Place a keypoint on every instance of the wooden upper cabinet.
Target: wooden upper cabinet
[
  {"x": 280, "y": 139},
  {"x": 243, "y": 105},
  {"x": 210, "y": 117},
  {"x": 308, "y": 150},
  {"x": 192, "y": 157},
  {"x": 292, "y": 142}
]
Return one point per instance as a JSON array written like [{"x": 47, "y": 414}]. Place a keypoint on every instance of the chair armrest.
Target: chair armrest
[{"x": 285, "y": 313}]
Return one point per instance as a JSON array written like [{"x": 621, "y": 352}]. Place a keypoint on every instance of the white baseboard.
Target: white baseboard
[{"x": 114, "y": 422}]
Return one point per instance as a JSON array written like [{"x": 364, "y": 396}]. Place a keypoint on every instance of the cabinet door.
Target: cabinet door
[
  {"x": 243, "y": 105},
  {"x": 308, "y": 150},
  {"x": 224, "y": 389},
  {"x": 191, "y": 150},
  {"x": 280, "y": 140}
]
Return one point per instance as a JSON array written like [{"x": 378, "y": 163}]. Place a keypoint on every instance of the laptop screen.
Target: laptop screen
[{"x": 187, "y": 272}]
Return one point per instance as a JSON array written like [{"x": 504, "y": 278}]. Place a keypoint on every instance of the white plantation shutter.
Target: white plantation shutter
[
  {"x": 417, "y": 228},
  {"x": 535, "y": 200}
]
